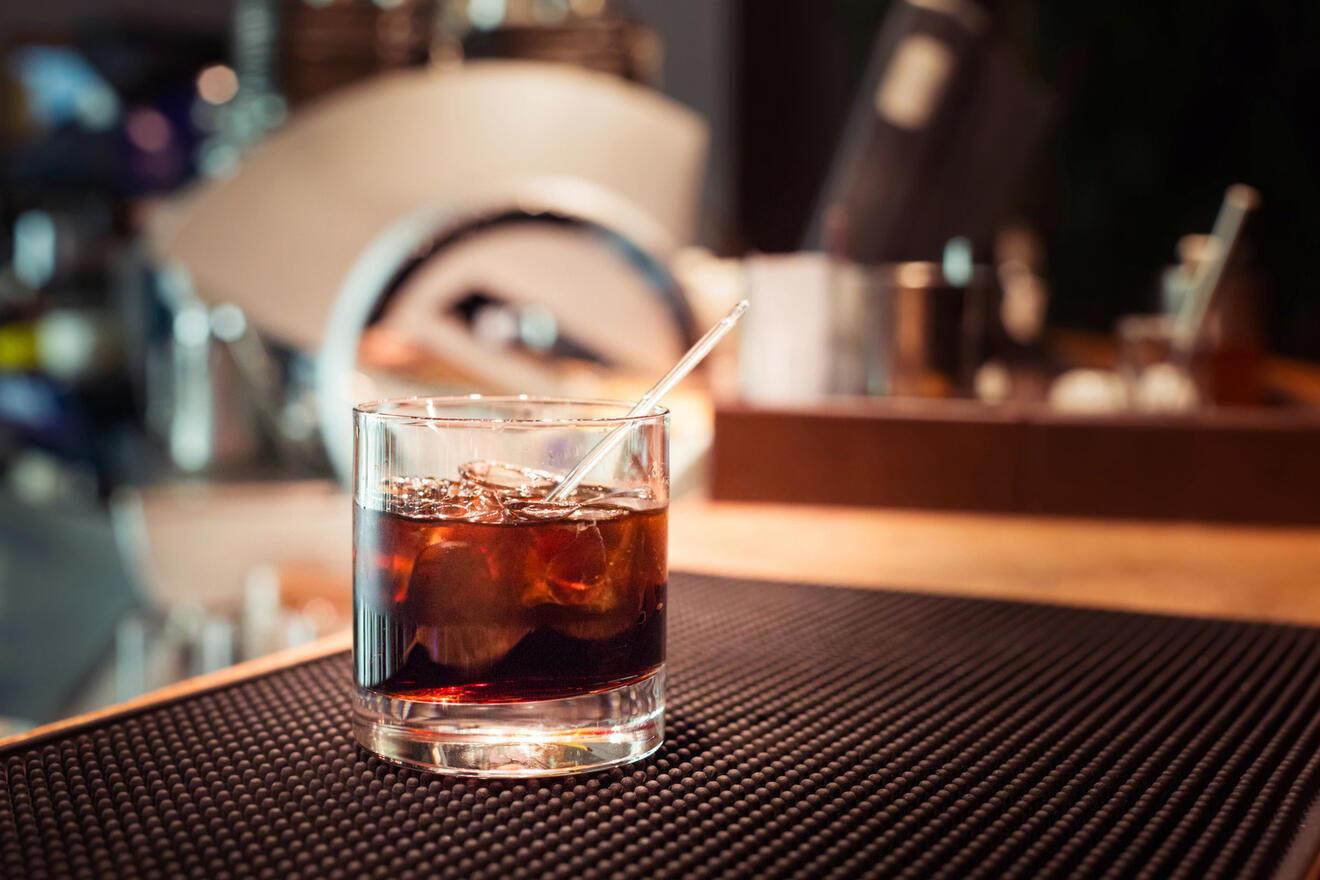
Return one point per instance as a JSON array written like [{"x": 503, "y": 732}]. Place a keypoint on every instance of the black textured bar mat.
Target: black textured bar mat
[{"x": 813, "y": 732}]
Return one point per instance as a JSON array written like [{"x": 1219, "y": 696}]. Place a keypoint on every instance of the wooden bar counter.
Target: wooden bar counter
[{"x": 1245, "y": 572}]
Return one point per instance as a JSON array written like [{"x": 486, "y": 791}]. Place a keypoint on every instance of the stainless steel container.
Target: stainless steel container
[{"x": 925, "y": 334}]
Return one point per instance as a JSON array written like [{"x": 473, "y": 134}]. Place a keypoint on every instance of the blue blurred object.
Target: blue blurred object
[
  {"x": 60, "y": 87},
  {"x": 41, "y": 414}
]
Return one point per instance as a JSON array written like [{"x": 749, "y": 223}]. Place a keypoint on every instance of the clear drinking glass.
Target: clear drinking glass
[{"x": 498, "y": 633}]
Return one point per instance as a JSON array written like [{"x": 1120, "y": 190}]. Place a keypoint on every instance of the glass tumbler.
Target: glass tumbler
[{"x": 497, "y": 632}]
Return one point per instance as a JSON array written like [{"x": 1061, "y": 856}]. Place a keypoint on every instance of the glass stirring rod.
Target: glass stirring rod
[{"x": 694, "y": 356}]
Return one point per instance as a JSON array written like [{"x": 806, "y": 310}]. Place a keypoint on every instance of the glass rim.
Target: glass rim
[{"x": 375, "y": 409}]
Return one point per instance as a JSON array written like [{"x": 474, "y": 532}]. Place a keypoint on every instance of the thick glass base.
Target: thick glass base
[{"x": 535, "y": 738}]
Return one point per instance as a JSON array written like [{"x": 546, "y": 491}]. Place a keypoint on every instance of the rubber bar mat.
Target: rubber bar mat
[{"x": 813, "y": 732}]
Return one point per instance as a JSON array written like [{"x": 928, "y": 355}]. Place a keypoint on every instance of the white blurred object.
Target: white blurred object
[
  {"x": 279, "y": 237},
  {"x": 1166, "y": 387},
  {"x": 35, "y": 248},
  {"x": 40, "y": 479},
  {"x": 298, "y": 630},
  {"x": 259, "y": 621},
  {"x": 786, "y": 341},
  {"x": 1025, "y": 299},
  {"x": 322, "y": 615},
  {"x": 914, "y": 81},
  {"x": 214, "y": 646},
  {"x": 993, "y": 382},
  {"x": 1020, "y": 258},
  {"x": 1086, "y": 392},
  {"x": 130, "y": 658},
  {"x": 74, "y": 343}
]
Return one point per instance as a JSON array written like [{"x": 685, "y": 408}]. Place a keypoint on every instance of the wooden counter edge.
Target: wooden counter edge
[{"x": 323, "y": 647}]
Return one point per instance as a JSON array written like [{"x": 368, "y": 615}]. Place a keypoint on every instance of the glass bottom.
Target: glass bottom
[{"x": 533, "y": 738}]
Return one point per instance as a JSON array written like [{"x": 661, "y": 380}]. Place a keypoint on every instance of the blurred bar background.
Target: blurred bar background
[{"x": 1004, "y": 257}]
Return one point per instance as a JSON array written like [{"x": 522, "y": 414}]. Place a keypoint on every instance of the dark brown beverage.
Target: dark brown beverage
[{"x": 470, "y": 591}]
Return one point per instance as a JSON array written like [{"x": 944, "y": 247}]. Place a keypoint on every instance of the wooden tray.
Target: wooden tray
[{"x": 1256, "y": 465}]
